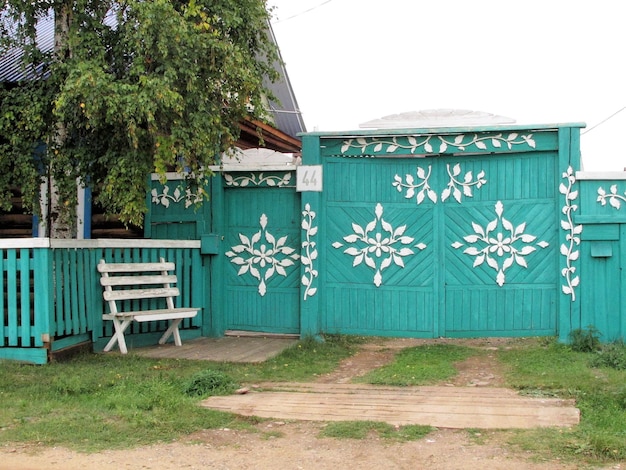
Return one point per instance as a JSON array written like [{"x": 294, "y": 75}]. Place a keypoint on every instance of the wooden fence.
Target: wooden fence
[
  {"x": 601, "y": 216},
  {"x": 51, "y": 299}
]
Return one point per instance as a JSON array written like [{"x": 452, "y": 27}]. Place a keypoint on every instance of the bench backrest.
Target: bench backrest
[{"x": 136, "y": 281}]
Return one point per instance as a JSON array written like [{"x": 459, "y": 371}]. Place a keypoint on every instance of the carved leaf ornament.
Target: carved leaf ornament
[
  {"x": 437, "y": 144},
  {"x": 309, "y": 247},
  {"x": 456, "y": 188},
  {"x": 568, "y": 249},
  {"x": 500, "y": 244},
  {"x": 262, "y": 255},
  {"x": 378, "y": 245},
  {"x": 613, "y": 198},
  {"x": 257, "y": 180},
  {"x": 164, "y": 197}
]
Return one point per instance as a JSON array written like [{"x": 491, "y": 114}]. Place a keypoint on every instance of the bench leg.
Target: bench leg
[
  {"x": 172, "y": 330},
  {"x": 118, "y": 336}
]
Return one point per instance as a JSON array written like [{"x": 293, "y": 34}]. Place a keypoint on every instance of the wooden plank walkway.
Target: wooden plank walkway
[
  {"x": 443, "y": 407},
  {"x": 227, "y": 349}
]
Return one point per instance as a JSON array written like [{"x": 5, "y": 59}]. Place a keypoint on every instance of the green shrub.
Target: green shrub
[
  {"x": 210, "y": 382},
  {"x": 611, "y": 355},
  {"x": 585, "y": 340}
]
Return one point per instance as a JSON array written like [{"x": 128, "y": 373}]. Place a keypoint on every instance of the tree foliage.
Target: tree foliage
[{"x": 134, "y": 87}]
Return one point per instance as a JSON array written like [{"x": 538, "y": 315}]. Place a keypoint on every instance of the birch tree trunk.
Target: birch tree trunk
[{"x": 59, "y": 226}]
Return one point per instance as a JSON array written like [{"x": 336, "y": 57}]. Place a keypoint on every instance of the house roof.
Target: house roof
[
  {"x": 285, "y": 112},
  {"x": 11, "y": 67}
]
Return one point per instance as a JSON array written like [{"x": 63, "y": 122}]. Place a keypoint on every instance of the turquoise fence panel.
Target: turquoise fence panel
[
  {"x": 602, "y": 217},
  {"x": 24, "y": 302},
  {"x": 451, "y": 232},
  {"x": 379, "y": 262},
  {"x": 75, "y": 279},
  {"x": 177, "y": 211},
  {"x": 500, "y": 256},
  {"x": 4, "y": 290},
  {"x": 12, "y": 296},
  {"x": 51, "y": 296},
  {"x": 175, "y": 214}
]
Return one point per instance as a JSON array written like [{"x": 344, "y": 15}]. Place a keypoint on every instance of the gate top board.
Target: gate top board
[{"x": 442, "y": 231}]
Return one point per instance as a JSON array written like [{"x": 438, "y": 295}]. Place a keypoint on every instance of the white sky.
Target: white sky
[{"x": 536, "y": 61}]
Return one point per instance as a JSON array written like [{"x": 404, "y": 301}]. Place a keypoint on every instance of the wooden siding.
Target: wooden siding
[{"x": 16, "y": 223}]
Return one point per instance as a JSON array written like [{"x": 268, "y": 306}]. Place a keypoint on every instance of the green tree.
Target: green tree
[{"x": 131, "y": 87}]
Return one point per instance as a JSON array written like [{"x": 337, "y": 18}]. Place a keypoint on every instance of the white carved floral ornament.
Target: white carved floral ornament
[
  {"x": 254, "y": 179},
  {"x": 438, "y": 144},
  {"x": 456, "y": 188},
  {"x": 262, "y": 255},
  {"x": 309, "y": 248},
  {"x": 499, "y": 244},
  {"x": 568, "y": 249},
  {"x": 378, "y": 248},
  {"x": 164, "y": 197},
  {"x": 613, "y": 197}
]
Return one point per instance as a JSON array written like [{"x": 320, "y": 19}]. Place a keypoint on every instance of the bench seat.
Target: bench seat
[
  {"x": 138, "y": 281},
  {"x": 154, "y": 315}
]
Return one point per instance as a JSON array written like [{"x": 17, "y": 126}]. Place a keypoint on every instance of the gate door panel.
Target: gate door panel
[
  {"x": 501, "y": 266},
  {"x": 380, "y": 264},
  {"x": 262, "y": 246},
  {"x": 500, "y": 269}
]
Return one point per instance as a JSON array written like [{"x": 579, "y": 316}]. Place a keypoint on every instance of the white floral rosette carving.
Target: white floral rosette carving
[
  {"x": 263, "y": 260},
  {"x": 500, "y": 249},
  {"x": 378, "y": 248}
]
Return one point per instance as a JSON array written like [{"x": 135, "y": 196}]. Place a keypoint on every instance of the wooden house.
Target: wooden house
[{"x": 280, "y": 135}]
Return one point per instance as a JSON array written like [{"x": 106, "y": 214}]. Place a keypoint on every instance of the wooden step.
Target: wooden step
[
  {"x": 443, "y": 407},
  {"x": 259, "y": 334}
]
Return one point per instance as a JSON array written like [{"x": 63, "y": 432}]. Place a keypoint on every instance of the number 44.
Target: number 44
[{"x": 309, "y": 178}]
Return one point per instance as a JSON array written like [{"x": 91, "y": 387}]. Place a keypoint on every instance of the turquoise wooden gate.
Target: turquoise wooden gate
[
  {"x": 261, "y": 251},
  {"x": 455, "y": 233}
]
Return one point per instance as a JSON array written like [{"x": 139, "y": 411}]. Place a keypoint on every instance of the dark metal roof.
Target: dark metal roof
[
  {"x": 286, "y": 114},
  {"x": 11, "y": 66}
]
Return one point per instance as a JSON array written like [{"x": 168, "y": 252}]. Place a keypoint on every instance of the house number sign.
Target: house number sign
[{"x": 309, "y": 178}]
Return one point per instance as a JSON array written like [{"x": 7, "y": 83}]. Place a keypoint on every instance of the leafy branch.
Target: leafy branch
[{"x": 573, "y": 234}]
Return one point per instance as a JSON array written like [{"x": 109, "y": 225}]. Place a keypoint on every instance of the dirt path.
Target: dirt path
[
  {"x": 297, "y": 445},
  {"x": 478, "y": 371}
]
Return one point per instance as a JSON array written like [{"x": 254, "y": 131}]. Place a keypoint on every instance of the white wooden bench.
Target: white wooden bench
[{"x": 141, "y": 281}]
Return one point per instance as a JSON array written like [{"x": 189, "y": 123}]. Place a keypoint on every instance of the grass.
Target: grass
[
  {"x": 99, "y": 402},
  {"x": 556, "y": 370},
  {"x": 420, "y": 365},
  {"x": 362, "y": 429},
  {"x": 304, "y": 361},
  {"x": 596, "y": 379},
  {"x": 96, "y": 402}
]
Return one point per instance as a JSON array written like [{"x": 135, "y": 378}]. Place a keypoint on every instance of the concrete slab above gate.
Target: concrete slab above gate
[{"x": 433, "y": 118}]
